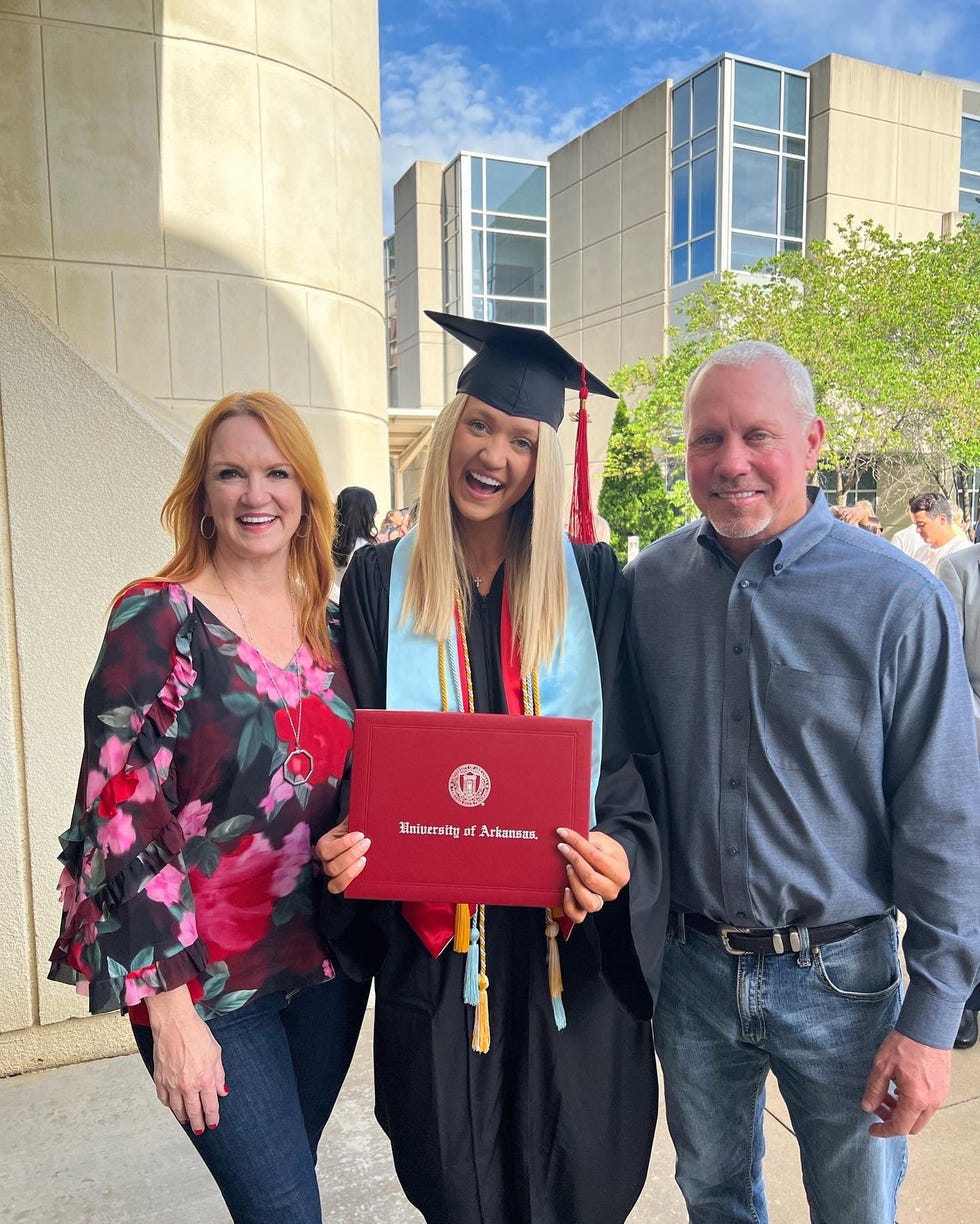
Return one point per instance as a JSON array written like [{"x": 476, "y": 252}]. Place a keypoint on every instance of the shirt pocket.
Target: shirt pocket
[{"x": 812, "y": 721}]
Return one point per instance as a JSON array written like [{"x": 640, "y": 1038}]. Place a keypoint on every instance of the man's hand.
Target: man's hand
[{"x": 920, "y": 1075}]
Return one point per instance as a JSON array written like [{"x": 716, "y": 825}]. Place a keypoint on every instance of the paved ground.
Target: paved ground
[{"x": 90, "y": 1142}]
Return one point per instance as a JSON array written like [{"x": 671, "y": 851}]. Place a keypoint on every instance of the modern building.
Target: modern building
[
  {"x": 470, "y": 238},
  {"x": 735, "y": 162}
]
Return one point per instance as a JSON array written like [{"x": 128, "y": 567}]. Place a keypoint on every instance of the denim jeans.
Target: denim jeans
[
  {"x": 815, "y": 1019},
  {"x": 285, "y": 1057}
]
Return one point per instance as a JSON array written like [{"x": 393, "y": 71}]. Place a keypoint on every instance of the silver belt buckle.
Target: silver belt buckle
[{"x": 726, "y": 931}]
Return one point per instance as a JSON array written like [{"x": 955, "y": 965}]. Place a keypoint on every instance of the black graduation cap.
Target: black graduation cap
[{"x": 520, "y": 370}]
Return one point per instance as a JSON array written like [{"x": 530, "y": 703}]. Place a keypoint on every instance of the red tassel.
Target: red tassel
[{"x": 581, "y": 523}]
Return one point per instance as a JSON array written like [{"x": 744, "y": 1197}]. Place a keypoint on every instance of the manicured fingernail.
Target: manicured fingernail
[
  {"x": 357, "y": 836},
  {"x": 224, "y": 1089},
  {"x": 199, "y": 1133},
  {"x": 563, "y": 848},
  {"x": 212, "y": 1126},
  {"x": 367, "y": 842},
  {"x": 563, "y": 832}
]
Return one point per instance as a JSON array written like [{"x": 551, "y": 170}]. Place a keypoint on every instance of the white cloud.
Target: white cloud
[{"x": 444, "y": 100}]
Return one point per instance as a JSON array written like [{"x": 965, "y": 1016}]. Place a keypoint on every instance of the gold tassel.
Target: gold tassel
[
  {"x": 481, "y": 1023},
  {"x": 461, "y": 932}
]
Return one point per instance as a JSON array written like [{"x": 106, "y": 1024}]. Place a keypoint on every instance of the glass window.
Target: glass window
[
  {"x": 970, "y": 150},
  {"x": 477, "y": 308},
  {"x": 678, "y": 266},
  {"x": 703, "y": 195},
  {"x": 704, "y": 142},
  {"x": 748, "y": 249},
  {"x": 796, "y": 147},
  {"x": 477, "y": 220},
  {"x": 754, "y": 185},
  {"x": 527, "y": 313},
  {"x": 526, "y": 225},
  {"x": 515, "y": 265},
  {"x": 756, "y": 95},
  {"x": 788, "y": 245},
  {"x": 681, "y": 114},
  {"x": 477, "y": 252},
  {"x": 476, "y": 182},
  {"x": 680, "y": 204},
  {"x": 703, "y": 256},
  {"x": 792, "y": 198},
  {"x": 516, "y": 188},
  {"x": 760, "y": 140},
  {"x": 681, "y": 155},
  {"x": 970, "y": 202},
  {"x": 449, "y": 203},
  {"x": 705, "y": 100},
  {"x": 794, "y": 104}
]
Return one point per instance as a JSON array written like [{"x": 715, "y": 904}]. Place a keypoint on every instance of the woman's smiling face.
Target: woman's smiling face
[{"x": 491, "y": 461}]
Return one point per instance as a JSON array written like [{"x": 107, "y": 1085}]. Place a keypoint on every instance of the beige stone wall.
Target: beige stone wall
[
  {"x": 191, "y": 191},
  {"x": 608, "y": 230},
  {"x": 884, "y": 146},
  {"x": 85, "y": 468}
]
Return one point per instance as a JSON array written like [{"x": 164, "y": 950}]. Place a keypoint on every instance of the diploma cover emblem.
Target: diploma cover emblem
[{"x": 469, "y": 786}]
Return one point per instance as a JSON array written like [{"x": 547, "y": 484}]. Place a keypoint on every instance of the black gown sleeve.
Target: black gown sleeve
[
  {"x": 355, "y": 931},
  {"x": 631, "y": 929}
]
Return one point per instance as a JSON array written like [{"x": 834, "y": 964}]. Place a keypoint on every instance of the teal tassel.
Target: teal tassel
[
  {"x": 558, "y": 1007},
  {"x": 471, "y": 991}
]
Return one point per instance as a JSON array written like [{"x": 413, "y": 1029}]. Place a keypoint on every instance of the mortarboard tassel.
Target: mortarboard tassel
[
  {"x": 554, "y": 971},
  {"x": 481, "y": 1022},
  {"x": 471, "y": 973},
  {"x": 461, "y": 931},
  {"x": 581, "y": 524}
]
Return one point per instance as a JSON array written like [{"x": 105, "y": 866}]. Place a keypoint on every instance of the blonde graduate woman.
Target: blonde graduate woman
[{"x": 550, "y": 1118}]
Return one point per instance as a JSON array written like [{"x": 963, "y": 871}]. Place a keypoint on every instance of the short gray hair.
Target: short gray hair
[{"x": 747, "y": 353}]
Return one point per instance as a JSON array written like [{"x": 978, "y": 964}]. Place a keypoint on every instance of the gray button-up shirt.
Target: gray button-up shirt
[{"x": 815, "y": 718}]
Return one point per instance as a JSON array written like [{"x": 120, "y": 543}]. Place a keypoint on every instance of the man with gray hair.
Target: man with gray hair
[{"x": 805, "y": 684}]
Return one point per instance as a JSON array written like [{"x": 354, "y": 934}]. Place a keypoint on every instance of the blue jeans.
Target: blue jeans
[
  {"x": 815, "y": 1019},
  {"x": 285, "y": 1057}
]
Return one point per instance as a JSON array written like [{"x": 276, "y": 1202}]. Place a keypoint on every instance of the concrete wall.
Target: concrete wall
[
  {"x": 884, "y": 146},
  {"x": 609, "y": 251},
  {"x": 190, "y": 189},
  {"x": 85, "y": 468}
]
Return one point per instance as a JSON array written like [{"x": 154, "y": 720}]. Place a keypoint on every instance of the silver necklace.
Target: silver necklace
[{"x": 302, "y": 756}]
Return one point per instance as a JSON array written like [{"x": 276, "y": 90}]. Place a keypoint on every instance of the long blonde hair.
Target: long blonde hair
[
  {"x": 310, "y": 562},
  {"x": 537, "y": 586}
]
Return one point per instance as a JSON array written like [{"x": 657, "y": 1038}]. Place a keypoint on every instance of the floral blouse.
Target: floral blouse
[{"x": 189, "y": 857}]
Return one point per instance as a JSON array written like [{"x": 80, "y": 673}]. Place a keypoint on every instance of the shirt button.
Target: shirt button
[
  {"x": 744, "y": 583},
  {"x": 737, "y": 716},
  {"x": 778, "y": 566},
  {"x": 740, "y": 914},
  {"x": 733, "y": 851},
  {"x": 733, "y": 783},
  {"x": 737, "y": 650}
]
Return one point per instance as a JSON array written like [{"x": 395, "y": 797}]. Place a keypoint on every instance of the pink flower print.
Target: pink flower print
[
  {"x": 193, "y": 818},
  {"x": 116, "y": 835},
  {"x": 137, "y": 985},
  {"x": 181, "y": 678},
  {"x": 329, "y": 972},
  {"x": 165, "y": 886},
  {"x": 187, "y": 931},
  {"x": 279, "y": 791},
  {"x": 113, "y": 755},
  {"x": 293, "y": 857},
  {"x": 254, "y": 662}
]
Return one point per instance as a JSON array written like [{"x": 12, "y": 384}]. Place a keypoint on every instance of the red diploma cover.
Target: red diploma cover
[{"x": 465, "y": 807}]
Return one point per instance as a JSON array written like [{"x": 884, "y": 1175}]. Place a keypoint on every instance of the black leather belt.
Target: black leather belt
[{"x": 740, "y": 941}]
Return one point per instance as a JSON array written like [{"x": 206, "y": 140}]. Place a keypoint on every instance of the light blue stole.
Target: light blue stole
[{"x": 569, "y": 686}]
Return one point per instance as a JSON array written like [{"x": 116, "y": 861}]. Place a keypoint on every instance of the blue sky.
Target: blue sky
[{"x": 524, "y": 76}]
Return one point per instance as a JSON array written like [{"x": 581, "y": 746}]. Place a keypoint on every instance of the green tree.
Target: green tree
[
  {"x": 889, "y": 330},
  {"x": 634, "y": 499}
]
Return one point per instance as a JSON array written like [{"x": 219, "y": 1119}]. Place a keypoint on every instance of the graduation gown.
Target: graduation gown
[{"x": 548, "y": 1127}]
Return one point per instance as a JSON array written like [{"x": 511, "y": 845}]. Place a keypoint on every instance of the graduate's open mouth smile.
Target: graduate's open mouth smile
[
  {"x": 257, "y": 522},
  {"x": 481, "y": 485}
]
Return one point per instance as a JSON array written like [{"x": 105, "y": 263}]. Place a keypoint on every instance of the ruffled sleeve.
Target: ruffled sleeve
[{"x": 128, "y": 924}]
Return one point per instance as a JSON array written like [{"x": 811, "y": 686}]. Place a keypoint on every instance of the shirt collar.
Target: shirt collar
[{"x": 790, "y": 544}]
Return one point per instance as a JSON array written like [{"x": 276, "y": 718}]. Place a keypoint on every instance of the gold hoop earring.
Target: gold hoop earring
[
  {"x": 214, "y": 528},
  {"x": 302, "y": 535}
]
